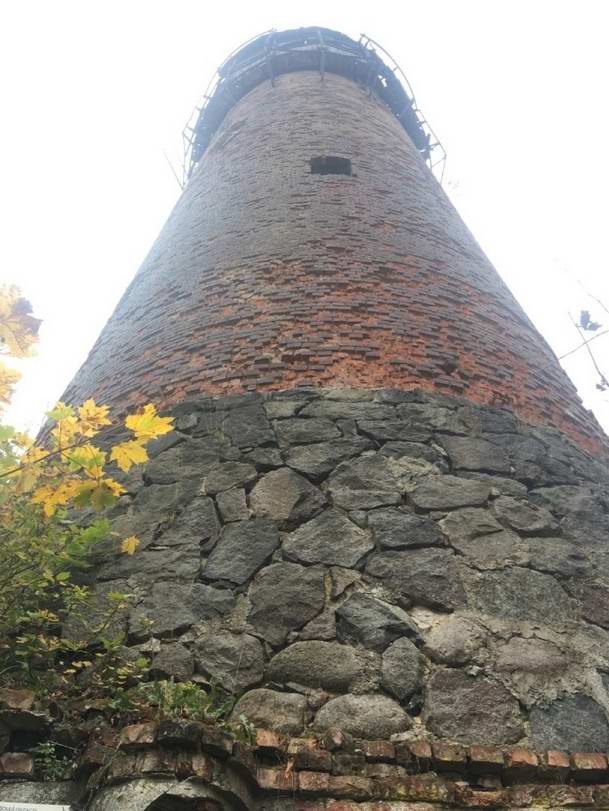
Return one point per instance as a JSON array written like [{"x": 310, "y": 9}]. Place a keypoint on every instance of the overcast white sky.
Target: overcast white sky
[{"x": 93, "y": 92}]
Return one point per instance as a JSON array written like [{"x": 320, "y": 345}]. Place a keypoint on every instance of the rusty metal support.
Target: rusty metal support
[{"x": 273, "y": 53}]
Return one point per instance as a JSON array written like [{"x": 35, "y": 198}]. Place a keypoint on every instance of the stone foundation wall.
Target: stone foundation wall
[
  {"x": 408, "y": 594},
  {"x": 385, "y": 562}
]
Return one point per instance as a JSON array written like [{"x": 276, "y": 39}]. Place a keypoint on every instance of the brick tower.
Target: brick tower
[
  {"x": 312, "y": 245},
  {"x": 382, "y": 520}
]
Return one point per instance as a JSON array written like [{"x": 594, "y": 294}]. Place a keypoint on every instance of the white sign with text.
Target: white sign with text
[{"x": 8, "y": 806}]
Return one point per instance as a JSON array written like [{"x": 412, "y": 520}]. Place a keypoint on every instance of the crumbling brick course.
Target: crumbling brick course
[{"x": 267, "y": 276}]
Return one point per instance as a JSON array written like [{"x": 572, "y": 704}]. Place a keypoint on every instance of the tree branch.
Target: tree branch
[
  {"x": 587, "y": 341},
  {"x": 594, "y": 298},
  {"x": 604, "y": 381}
]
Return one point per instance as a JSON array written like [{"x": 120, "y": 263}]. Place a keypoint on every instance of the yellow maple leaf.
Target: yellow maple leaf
[
  {"x": 106, "y": 493},
  {"x": 52, "y": 497},
  {"x": 130, "y": 544},
  {"x": 89, "y": 457},
  {"x": 115, "y": 488},
  {"x": 33, "y": 455},
  {"x": 65, "y": 432},
  {"x": 147, "y": 425},
  {"x": 83, "y": 496},
  {"x": 29, "y": 471},
  {"x": 18, "y": 329},
  {"x": 8, "y": 379},
  {"x": 60, "y": 412},
  {"x": 23, "y": 440},
  {"x": 26, "y": 477},
  {"x": 26, "y": 480},
  {"x": 129, "y": 453},
  {"x": 98, "y": 494},
  {"x": 91, "y": 418}
]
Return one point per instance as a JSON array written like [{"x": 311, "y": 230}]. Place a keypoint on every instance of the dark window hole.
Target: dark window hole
[{"x": 328, "y": 165}]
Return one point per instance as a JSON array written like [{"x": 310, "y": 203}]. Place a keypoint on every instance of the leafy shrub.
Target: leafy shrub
[{"x": 45, "y": 551}]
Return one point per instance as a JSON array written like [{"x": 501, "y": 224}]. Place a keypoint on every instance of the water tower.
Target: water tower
[{"x": 382, "y": 520}]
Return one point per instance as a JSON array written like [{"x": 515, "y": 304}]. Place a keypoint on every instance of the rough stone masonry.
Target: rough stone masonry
[
  {"x": 397, "y": 566},
  {"x": 378, "y": 561},
  {"x": 382, "y": 520}
]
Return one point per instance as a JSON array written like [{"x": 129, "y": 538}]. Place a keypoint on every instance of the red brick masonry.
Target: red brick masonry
[
  {"x": 267, "y": 276},
  {"x": 338, "y": 773}
]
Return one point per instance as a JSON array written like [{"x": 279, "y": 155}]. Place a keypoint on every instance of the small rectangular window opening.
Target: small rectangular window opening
[{"x": 328, "y": 165}]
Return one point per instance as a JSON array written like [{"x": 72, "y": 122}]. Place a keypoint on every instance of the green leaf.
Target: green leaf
[
  {"x": 83, "y": 499},
  {"x": 102, "y": 497},
  {"x": 115, "y": 596},
  {"x": 60, "y": 412},
  {"x": 7, "y": 432}
]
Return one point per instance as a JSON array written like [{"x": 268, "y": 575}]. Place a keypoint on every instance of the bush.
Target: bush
[{"x": 45, "y": 549}]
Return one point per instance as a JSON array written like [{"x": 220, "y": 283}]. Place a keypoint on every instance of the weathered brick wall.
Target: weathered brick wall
[{"x": 267, "y": 276}]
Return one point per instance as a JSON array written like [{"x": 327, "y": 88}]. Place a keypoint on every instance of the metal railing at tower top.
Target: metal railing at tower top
[
  {"x": 436, "y": 155},
  {"x": 272, "y": 53}
]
